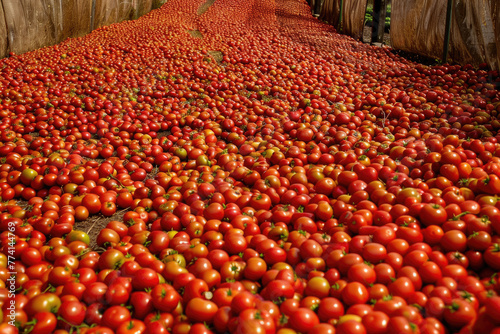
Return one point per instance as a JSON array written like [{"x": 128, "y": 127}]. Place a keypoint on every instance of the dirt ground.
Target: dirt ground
[{"x": 367, "y": 36}]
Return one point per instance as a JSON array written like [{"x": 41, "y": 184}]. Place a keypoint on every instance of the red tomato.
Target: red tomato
[
  {"x": 376, "y": 322},
  {"x": 303, "y": 319},
  {"x": 145, "y": 278},
  {"x": 44, "y": 322},
  {"x": 354, "y": 293},
  {"x": 433, "y": 214},
  {"x": 459, "y": 313},
  {"x": 73, "y": 312},
  {"x": 201, "y": 310},
  {"x": 165, "y": 298},
  {"x": 133, "y": 326},
  {"x": 92, "y": 203},
  {"x": 115, "y": 316},
  {"x": 492, "y": 256}
]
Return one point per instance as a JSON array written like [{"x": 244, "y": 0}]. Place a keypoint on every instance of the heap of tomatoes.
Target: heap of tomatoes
[{"x": 264, "y": 175}]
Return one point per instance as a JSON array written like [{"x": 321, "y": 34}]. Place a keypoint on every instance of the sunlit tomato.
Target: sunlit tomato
[
  {"x": 376, "y": 322},
  {"x": 350, "y": 324},
  {"x": 260, "y": 202},
  {"x": 363, "y": 273},
  {"x": 73, "y": 312},
  {"x": 133, "y": 326},
  {"x": 47, "y": 302},
  {"x": 277, "y": 289},
  {"x": 402, "y": 287},
  {"x": 325, "y": 186},
  {"x": 111, "y": 259},
  {"x": 330, "y": 308},
  {"x": 355, "y": 293},
  {"x": 433, "y": 214},
  {"x": 92, "y": 203},
  {"x": 115, "y": 316},
  {"x": 303, "y": 319},
  {"x": 44, "y": 322},
  {"x": 201, "y": 310},
  {"x": 165, "y": 298},
  {"x": 492, "y": 256},
  {"x": 459, "y": 313}
]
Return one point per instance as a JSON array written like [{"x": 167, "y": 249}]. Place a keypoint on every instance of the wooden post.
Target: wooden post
[
  {"x": 378, "y": 27},
  {"x": 447, "y": 31},
  {"x": 92, "y": 16},
  {"x": 318, "y": 4},
  {"x": 341, "y": 14}
]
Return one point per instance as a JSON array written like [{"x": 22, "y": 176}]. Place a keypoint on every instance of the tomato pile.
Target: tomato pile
[{"x": 259, "y": 173}]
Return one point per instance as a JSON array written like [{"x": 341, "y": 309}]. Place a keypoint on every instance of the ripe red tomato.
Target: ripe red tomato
[
  {"x": 303, "y": 319},
  {"x": 376, "y": 322},
  {"x": 201, "y": 310},
  {"x": 165, "y": 298},
  {"x": 433, "y": 214},
  {"x": 44, "y": 322},
  {"x": 354, "y": 293},
  {"x": 73, "y": 312},
  {"x": 92, "y": 202},
  {"x": 459, "y": 313},
  {"x": 47, "y": 302},
  {"x": 492, "y": 256},
  {"x": 115, "y": 316}
]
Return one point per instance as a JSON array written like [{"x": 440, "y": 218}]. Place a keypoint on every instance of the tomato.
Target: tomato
[
  {"x": 400, "y": 324},
  {"x": 76, "y": 235},
  {"x": 47, "y": 302},
  {"x": 111, "y": 259},
  {"x": 389, "y": 304},
  {"x": 330, "y": 308},
  {"x": 262, "y": 316},
  {"x": 402, "y": 287},
  {"x": 375, "y": 322},
  {"x": 115, "y": 316},
  {"x": 165, "y": 298},
  {"x": 92, "y": 203},
  {"x": 453, "y": 240},
  {"x": 278, "y": 289},
  {"x": 133, "y": 326},
  {"x": 363, "y": 273},
  {"x": 325, "y": 186},
  {"x": 73, "y": 312},
  {"x": 7, "y": 328},
  {"x": 318, "y": 287},
  {"x": 117, "y": 293},
  {"x": 303, "y": 319},
  {"x": 354, "y": 293},
  {"x": 354, "y": 326},
  {"x": 107, "y": 237},
  {"x": 234, "y": 243},
  {"x": 433, "y": 214},
  {"x": 260, "y": 202},
  {"x": 255, "y": 268},
  {"x": 145, "y": 278},
  {"x": 201, "y": 310},
  {"x": 156, "y": 327},
  {"x": 44, "y": 322},
  {"x": 107, "y": 209},
  {"x": 243, "y": 300},
  {"x": 492, "y": 256},
  {"x": 459, "y": 313}
]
